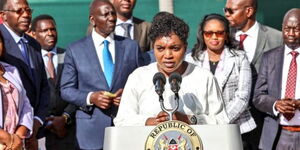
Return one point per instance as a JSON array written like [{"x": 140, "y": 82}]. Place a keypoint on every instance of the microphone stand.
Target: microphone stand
[{"x": 171, "y": 111}]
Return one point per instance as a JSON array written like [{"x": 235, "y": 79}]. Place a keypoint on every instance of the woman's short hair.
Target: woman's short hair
[
  {"x": 165, "y": 24},
  {"x": 200, "y": 46}
]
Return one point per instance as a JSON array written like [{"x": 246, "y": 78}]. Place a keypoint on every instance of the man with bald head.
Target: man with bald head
[
  {"x": 277, "y": 90},
  {"x": 23, "y": 52},
  {"x": 95, "y": 72},
  {"x": 255, "y": 38}
]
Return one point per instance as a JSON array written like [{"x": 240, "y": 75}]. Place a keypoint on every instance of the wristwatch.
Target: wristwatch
[
  {"x": 193, "y": 119},
  {"x": 67, "y": 118}
]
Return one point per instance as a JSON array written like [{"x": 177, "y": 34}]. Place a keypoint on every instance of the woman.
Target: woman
[
  {"x": 16, "y": 113},
  {"x": 216, "y": 51},
  {"x": 199, "y": 98}
]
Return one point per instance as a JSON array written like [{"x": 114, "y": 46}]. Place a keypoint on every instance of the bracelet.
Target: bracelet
[{"x": 11, "y": 141}]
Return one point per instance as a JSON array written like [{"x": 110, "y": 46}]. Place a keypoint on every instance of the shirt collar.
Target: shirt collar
[
  {"x": 287, "y": 50},
  {"x": 119, "y": 21},
  {"x": 252, "y": 32},
  {"x": 54, "y": 51},
  {"x": 98, "y": 39},
  {"x": 14, "y": 35}
]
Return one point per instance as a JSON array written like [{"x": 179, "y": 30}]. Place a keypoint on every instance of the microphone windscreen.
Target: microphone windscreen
[
  {"x": 159, "y": 76},
  {"x": 176, "y": 76}
]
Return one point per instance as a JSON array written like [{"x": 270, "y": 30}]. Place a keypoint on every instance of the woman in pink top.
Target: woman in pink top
[{"x": 16, "y": 113}]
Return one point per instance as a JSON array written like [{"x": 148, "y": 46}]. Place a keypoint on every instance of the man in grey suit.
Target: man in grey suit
[
  {"x": 60, "y": 130},
  {"x": 130, "y": 26},
  {"x": 277, "y": 90},
  {"x": 255, "y": 38},
  {"x": 95, "y": 72}
]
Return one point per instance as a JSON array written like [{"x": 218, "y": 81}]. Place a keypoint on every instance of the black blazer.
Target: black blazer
[{"x": 36, "y": 85}]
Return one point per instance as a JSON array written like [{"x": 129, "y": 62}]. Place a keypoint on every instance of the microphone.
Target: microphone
[
  {"x": 175, "y": 81},
  {"x": 159, "y": 80}
]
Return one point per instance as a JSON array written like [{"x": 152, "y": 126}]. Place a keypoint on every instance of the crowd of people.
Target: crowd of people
[{"x": 238, "y": 72}]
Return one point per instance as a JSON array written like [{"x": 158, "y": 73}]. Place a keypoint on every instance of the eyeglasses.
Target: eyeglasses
[
  {"x": 231, "y": 11},
  {"x": 209, "y": 34},
  {"x": 20, "y": 11}
]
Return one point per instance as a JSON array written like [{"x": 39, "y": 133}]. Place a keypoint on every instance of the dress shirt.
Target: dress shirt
[
  {"x": 198, "y": 95},
  {"x": 285, "y": 70},
  {"x": 17, "y": 39},
  {"x": 250, "y": 41},
  {"x": 99, "y": 45},
  {"x": 120, "y": 31},
  {"x": 54, "y": 58}
]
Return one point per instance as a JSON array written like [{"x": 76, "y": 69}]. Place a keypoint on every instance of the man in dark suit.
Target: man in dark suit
[
  {"x": 277, "y": 89},
  {"x": 23, "y": 52},
  {"x": 255, "y": 38},
  {"x": 60, "y": 130},
  {"x": 95, "y": 72},
  {"x": 130, "y": 26}
]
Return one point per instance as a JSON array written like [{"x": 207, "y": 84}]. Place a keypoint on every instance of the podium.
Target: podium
[{"x": 213, "y": 137}]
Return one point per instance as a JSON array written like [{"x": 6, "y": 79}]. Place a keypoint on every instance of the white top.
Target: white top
[
  {"x": 285, "y": 70},
  {"x": 54, "y": 58},
  {"x": 120, "y": 31},
  {"x": 199, "y": 96},
  {"x": 250, "y": 41}
]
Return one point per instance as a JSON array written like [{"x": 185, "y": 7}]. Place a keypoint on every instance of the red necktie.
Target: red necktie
[
  {"x": 291, "y": 81},
  {"x": 242, "y": 39}
]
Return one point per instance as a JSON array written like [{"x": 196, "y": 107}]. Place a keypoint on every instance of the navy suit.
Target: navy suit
[
  {"x": 267, "y": 91},
  {"x": 34, "y": 80},
  {"x": 82, "y": 74}
]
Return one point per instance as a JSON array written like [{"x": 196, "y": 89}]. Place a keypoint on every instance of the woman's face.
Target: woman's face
[
  {"x": 214, "y": 35},
  {"x": 169, "y": 52}
]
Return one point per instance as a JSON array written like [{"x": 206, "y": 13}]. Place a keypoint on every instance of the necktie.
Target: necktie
[
  {"x": 24, "y": 51},
  {"x": 108, "y": 63},
  {"x": 126, "y": 27},
  {"x": 242, "y": 39},
  {"x": 50, "y": 66},
  {"x": 291, "y": 81}
]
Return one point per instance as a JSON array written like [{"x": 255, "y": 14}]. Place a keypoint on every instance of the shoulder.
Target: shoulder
[
  {"x": 270, "y": 31},
  {"x": 32, "y": 42},
  {"x": 139, "y": 21},
  {"x": 81, "y": 42},
  {"x": 274, "y": 51},
  {"x": 144, "y": 72},
  {"x": 199, "y": 72},
  {"x": 125, "y": 41}
]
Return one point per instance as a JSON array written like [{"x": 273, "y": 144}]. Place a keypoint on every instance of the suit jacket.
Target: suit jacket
[
  {"x": 267, "y": 91},
  {"x": 141, "y": 31},
  {"x": 234, "y": 79},
  {"x": 82, "y": 74},
  {"x": 25, "y": 110},
  {"x": 35, "y": 83},
  {"x": 57, "y": 105}
]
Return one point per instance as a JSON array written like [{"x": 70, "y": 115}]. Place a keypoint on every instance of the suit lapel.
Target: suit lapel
[
  {"x": 90, "y": 51},
  {"x": 119, "y": 53},
  {"x": 261, "y": 42},
  {"x": 228, "y": 63},
  {"x": 137, "y": 29},
  {"x": 278, "y": 65},
  {"x": 60, "y": 61}
]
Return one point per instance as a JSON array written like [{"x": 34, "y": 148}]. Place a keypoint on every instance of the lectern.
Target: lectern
[{"x": 213, "y": 137}]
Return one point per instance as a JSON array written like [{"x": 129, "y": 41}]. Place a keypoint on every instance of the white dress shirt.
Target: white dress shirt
[
  {"x": 199, "y": 95},
  {"x": 98, "y": 43},
  {"x": 250, "y": 41},
  {"x": 54, "y": 58},
  {"x": 120, "y": 30},
  {"x": 285, "y": 70}
]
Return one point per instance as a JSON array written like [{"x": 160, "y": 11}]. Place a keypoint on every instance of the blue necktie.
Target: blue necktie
[
  {"x": 24, "y": 51},
  {"x": 108, "y": 63}
]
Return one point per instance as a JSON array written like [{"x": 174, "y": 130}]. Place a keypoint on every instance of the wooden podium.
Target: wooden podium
[{"x": 213, "y": 137}]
